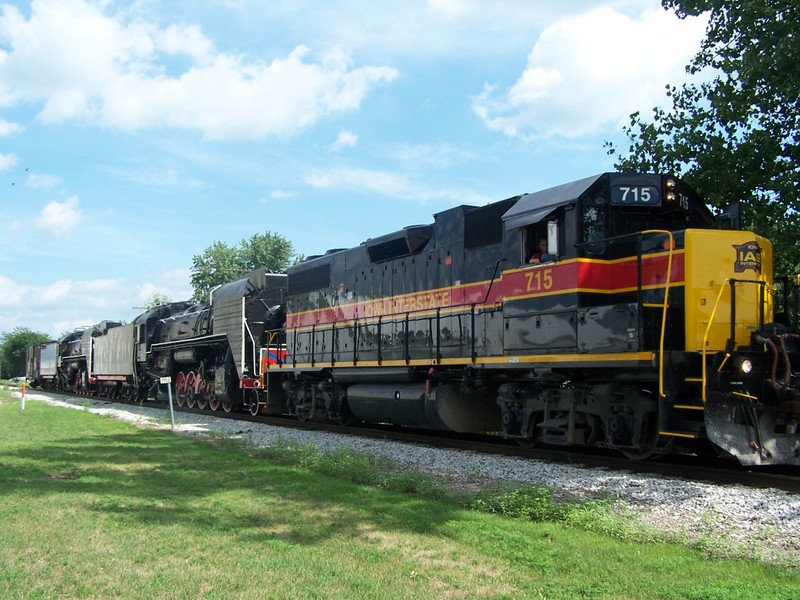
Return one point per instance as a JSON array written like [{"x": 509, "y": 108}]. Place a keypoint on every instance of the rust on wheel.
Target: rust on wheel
[
  {"x": 201, "y": 391},
  {"x": 190, "y": 389},
  {"x": 180, "y": 389},
  {"x": 213, "y": 402}
]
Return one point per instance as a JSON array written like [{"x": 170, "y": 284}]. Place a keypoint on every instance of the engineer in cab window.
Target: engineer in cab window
[{"x": 540, "y": 254}]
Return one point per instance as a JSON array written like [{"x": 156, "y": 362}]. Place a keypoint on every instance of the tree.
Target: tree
[
  {"x": 12, "y": 349},
  {"x": 157, "y": 299},
  {"x": 220, "y": 263},
  {"x": 733, "y": 131},
  {"x": 271, "y": 251}
]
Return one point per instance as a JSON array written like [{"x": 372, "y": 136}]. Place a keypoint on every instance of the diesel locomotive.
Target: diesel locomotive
[{"x": 616, "y": 311}]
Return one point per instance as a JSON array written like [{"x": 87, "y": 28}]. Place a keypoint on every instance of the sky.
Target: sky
[{"x": 135, "y": 134}]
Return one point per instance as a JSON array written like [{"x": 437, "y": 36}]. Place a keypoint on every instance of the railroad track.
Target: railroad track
[{"x": 716, "y": 471}]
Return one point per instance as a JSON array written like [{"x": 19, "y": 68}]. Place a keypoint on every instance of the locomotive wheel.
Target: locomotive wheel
[
  {"x": 190, "y": 395},
  {"x": 202, "y": 398},
  {"x": 214, "y": 403},
  {"x": 227, "y": 407},
  {"x": 651, "y": 448},
  {"x": 638, "y": 455},
  {"x": 345, "y": 416},
  {"x": 527, "y": 442},
  {"x": 180, "y": 389},
  {"x": 534, "y": 434},
  {"x": 650, "y": 452},
  {"x": 255, "y": 404}
]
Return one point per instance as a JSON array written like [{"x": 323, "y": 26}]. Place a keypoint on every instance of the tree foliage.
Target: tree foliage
[
  {"x": 220, "y": 263},
  {"x": 157, "y": 299},
  {"x": 12, "y": 349},
  {"x": 732, "y": 132}
]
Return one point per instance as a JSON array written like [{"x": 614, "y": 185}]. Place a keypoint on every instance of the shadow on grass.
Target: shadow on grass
[{"x": 155, "y": 478}]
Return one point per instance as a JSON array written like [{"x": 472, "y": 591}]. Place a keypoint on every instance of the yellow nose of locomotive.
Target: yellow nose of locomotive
[{"x": 728, "y": 275}]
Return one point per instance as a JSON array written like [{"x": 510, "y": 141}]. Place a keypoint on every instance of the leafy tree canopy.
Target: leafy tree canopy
[
  {"x": 220, "y": 263},
  {"x": 12, "y": 350},
  {"x": 733, "y": 131},
  {"x": 157, "y": 299}
]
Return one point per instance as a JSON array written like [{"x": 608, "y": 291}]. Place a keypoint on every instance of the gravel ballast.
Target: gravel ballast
[{"x": 762, "y": 524}]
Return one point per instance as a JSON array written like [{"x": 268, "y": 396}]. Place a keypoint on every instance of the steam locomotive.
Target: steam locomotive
[{"x": 648, "y": 326}]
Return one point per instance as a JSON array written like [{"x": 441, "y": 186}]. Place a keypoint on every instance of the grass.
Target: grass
[{"x": 92, "y": 507}]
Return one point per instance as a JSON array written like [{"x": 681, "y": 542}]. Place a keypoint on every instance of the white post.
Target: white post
[
  {"x": 22, "y": 398},
  {"x": 168, "y": 381}
]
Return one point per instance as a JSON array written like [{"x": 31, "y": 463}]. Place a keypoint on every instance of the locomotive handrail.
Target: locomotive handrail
[
  {"x": 256, "y": 362},
  {"x": 624, "y": 236},
  {"x": 732, "y": 341},
  {"x": 664, "y": 306}
]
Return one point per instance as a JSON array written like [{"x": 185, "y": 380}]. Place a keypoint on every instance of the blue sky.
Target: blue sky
[{"x": 135, "y": 134}]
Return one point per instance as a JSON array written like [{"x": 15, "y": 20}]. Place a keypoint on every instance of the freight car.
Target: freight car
[{"x": 647, "y": 328}]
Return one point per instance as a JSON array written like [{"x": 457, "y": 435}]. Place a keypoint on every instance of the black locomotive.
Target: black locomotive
[
  {"x": 614, "y": 311},
  {"x": 209, "y": 352}
]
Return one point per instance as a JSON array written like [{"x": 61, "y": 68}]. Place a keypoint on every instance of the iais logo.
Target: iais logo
[{"x": 748, "y": 256}]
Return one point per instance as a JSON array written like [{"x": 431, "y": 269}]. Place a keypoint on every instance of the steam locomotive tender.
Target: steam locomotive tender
[{"x": 651, "y": 329}]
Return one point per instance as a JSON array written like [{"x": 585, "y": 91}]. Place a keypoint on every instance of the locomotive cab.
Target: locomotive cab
[{"x": 602, "y": 215}]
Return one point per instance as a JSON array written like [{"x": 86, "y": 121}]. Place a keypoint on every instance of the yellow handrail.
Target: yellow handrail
[
  {"x": 663, "y": 307},
  {"x": 705, "y": 335}
]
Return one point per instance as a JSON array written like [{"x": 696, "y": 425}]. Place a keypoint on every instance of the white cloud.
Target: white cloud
[
  {"x": 591, "y": 71},
  {"x": 7, "y": 128},
  {"x": 172, "y": 284},
  {"x": 42, "y": 181},
  {"x": 59, "y": 217},
  {"x": 279, "y": 195},
  {"x": 83, "y": 64},
  {"x": 421, "y": 29},
  {"x": 393, "y": 185},
  {"x": 436, "y": 155},
  {"x": 7, "y": 161},
  {"x": 449, "y": 8},
  {"x": 345, "y": 139},
  {"x": 59, "y": 306},
  {"x": 11, "y": 294},
  {"x": 188, "y": 40}
]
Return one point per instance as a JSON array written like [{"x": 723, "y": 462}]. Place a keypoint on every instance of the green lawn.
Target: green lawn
[{"x": 92, "y": 507}]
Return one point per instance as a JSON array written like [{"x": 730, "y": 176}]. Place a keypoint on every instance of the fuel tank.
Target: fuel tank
[{"x": 444, "y": 408}]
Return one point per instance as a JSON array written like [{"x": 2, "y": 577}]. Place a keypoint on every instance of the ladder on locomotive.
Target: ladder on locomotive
[{"x": 668, "y": 406}]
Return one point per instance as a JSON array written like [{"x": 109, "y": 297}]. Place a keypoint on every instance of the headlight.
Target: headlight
[{"x": 743, "y": 365}]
